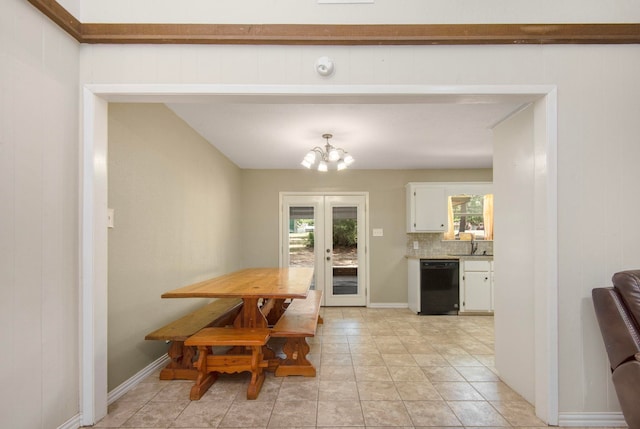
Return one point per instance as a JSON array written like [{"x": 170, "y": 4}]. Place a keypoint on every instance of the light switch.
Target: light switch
[
  {"x": 110, "y": 220},
  {"x": 378, "y": 232},
  {"x": 416, "y": 245}
]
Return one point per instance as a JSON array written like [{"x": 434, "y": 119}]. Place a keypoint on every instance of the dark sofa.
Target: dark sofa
[{"x": 618, "y": 311}]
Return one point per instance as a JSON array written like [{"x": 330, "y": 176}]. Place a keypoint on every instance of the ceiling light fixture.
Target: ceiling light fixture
[{"x": 330, "y": 155}]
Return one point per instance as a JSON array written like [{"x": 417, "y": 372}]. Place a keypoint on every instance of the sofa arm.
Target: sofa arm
[{"x": 618, "y": 329}]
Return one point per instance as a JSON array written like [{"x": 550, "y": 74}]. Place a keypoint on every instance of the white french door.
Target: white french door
[{"x": 327, "y": 232}]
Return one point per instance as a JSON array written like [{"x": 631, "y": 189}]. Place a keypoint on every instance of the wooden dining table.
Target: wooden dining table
[{"x": 263, "y": 292}]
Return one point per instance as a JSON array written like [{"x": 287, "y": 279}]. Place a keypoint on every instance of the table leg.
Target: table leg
[{"x": 250, "y": 316}]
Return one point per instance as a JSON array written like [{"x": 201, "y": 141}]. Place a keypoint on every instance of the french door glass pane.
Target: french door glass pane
[
  {"x": 345, "y": 250},
  {"x": 302, "y": 237}
]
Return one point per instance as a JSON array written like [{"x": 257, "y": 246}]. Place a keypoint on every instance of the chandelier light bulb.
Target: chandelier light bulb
[
  {"x": 310, "y": 157},
  {"x": 348, "y": 159},
  {"x": 334, "y": 155},
  {"x": 327, "y": 157}
]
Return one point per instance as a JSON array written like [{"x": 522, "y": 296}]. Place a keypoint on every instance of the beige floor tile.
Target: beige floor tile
[
  {"x": 367, "y": 348},
  {"x": 457, "y": 391},
  {"x": 477, "y": 373},
  {"x": 335, "y": 348},
  {"x": 333, "y": 372},
  {"x": 156, "y": 414},
  {"x": 372, "y": 373},
  {"x": 340, "y": 359},
  {"x": 496, "y": 391},
  {"x": 385, "y": 413},
  {"x": 290, "y": 414},
  {"x": 202, "y": 415},
  {"x": 118, "y": 413},
  {"x": 298, "y": 392},
  {"x": 377, "y": 391},
  {"x": 442, "y": 373},
  {"x": 360, "y": 339},
  {"x": 431, "y": 413},
  {"x": 333, "y": 390},
  {"x": 388, "y": 348},
  {"x": 430, "y": 359},
  {"x": 339, "y": 413},
  {"x": 477, "y": 413},
  {"x": 463, "y": 360},
  {"x": 333, "y": 339},
  {"x": 367, "y": 359},
  {"x": 416, "y": 348},
  {"x": 517, "y": 413},
  {"x": 417, "y": 391},
  {"x": 399, "y": 359},
  {"x": 407, "y": 373}
]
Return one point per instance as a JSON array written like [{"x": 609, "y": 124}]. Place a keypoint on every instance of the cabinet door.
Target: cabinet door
[
  {"x": 430, "y": 209},
  {"x": 477, "y": 291}
]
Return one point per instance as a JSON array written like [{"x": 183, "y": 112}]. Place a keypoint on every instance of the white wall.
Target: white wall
[
  {"x": 39, "y": 206},
  {"x": 513, "y": 174},
  {"x": 597, "y": 145},
  {"x": 380, "y": 11}
]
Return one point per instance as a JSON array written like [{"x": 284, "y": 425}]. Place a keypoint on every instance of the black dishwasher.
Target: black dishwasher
[{"x": 439, "y": 286}]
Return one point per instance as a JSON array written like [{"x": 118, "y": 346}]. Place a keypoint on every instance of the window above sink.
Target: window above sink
[
  {"x": 469, "y": 211},
  {"x": 470, "y": 217}
]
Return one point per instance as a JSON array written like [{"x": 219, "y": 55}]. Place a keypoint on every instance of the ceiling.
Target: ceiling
[{"x": 380, "y": 132}]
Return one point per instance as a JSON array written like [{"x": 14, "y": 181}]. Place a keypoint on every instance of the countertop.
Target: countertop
[{"x": 475, "y": 257}]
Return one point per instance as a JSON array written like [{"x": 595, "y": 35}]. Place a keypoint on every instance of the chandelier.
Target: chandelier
[{"x": 329, "y": 155}]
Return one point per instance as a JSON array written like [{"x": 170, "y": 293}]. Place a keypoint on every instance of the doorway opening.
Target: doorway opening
[{"x": 94, "y": 215}]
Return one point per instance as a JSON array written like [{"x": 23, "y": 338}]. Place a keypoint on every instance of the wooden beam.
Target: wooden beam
[
  {"x": 60, "y": 16},
  {"x": 313, "y": 34},
  {"x": 294, "y": 34}
]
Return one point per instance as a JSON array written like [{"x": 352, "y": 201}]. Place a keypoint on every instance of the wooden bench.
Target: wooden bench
[
  {"x": 210, "y": 365},
  {"x": 298, "y": 322},
  {"x": 220, "y": 312}
]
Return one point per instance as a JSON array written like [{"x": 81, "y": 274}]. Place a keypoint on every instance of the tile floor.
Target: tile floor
[{"x": 376, "y": 368}]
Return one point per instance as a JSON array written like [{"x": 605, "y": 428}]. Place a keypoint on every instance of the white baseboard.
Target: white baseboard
[
  {"x": 119, "y": 391},
  {"x": 72, "y": 423},
  {"x": 75, "y": 421},
  {"x": 388, "y": 305},
  {"x": 591, "y": 419}
]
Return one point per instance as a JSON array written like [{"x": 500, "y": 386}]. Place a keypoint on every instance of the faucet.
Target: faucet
[{"x": 474, "y": 246}]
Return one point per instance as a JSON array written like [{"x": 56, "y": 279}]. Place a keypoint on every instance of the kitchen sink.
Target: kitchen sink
[{"x": 477, "y": 255}]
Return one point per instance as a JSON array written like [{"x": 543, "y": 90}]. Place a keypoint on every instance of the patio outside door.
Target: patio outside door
[{"x": 327, "y": 232}]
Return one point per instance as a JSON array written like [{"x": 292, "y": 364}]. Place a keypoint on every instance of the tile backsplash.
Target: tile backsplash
[{"x": 431, "y": 245}]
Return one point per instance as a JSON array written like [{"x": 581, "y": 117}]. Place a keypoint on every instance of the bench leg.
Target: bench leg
[
  {"x": 209, "y": 366},
  {"x": 296, "y": 362},
  {"x": 181, "y": 365},
  {"x": 257, "y": 372},
  {"x": 205, "y": 378}
]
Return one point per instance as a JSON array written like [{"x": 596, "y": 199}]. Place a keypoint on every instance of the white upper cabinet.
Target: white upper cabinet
[{"x": 426, "y": 208}]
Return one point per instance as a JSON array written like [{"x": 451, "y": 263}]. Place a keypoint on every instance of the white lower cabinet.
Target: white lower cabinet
[
  {"x": 477, "y": 283},
  {"x": 413, "y": 291}
]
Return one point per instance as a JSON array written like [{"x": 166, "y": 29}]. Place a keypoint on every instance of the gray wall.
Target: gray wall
[
  {"x": 177, "y": 204},
  {"x": 387, "y": 208}
]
